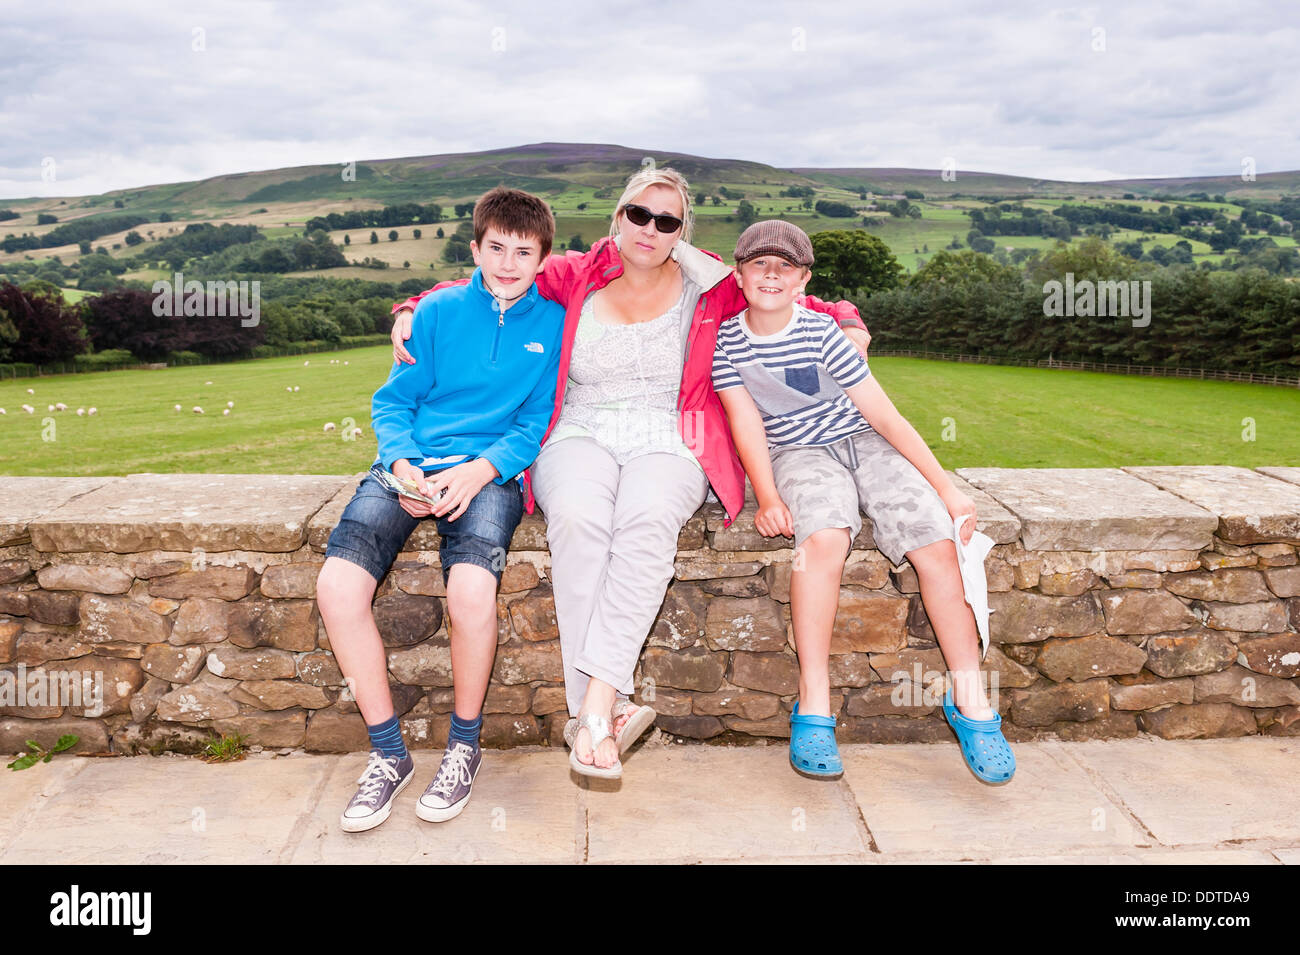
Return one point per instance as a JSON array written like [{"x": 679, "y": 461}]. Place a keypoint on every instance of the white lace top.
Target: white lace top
[{"x": 623, "y": 385}]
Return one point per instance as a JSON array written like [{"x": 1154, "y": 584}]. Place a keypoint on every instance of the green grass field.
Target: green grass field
[{"x": 1001, "y": 416}]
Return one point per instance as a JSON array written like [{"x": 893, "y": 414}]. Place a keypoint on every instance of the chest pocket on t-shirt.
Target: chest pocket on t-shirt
[{"x": 803, "y": 379}]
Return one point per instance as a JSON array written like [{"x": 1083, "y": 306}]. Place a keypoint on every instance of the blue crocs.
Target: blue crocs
[
  {"x": 813, "y": 751},
  {"x": 982, "y": 743}
]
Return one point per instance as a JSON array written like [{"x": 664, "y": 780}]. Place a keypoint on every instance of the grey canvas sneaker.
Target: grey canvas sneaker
[
  {"x": 449, "y": 791},
  {"x": 380, "y": 782}
]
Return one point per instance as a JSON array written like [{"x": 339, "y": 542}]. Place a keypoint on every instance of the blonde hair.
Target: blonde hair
[{"x": 657, "y": 176}]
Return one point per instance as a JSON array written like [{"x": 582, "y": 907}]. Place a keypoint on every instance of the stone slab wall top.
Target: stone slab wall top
[
  {"x": 1094, "y": 509},
  {"x": 1252, "y": 508},
  {"x": 991, "y": 517},
  {"x": 1290, "y": 475},
  {"x": 215, "y": 512},
  {"x": 324, "y": 520},
  {"x": 23, "y": 499}
]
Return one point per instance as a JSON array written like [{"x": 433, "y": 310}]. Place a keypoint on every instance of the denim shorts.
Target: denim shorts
[{"x": 374, "y": 528}]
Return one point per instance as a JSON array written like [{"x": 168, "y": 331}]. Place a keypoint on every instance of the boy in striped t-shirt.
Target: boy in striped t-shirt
[{"x": 820, "y": 441}]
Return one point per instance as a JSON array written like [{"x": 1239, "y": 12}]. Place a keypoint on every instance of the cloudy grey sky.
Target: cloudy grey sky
[{"x": 121, "y": 94}]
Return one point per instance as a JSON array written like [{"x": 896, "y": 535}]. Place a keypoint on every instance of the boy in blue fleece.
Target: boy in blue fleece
[{"x": 462, "y": 423}]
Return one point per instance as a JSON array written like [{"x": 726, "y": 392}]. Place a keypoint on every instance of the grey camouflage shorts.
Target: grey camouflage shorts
[{"x": 830, "y": 486}]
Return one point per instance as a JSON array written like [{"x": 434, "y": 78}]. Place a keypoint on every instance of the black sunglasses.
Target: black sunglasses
[{"x": 640, "y": 215}]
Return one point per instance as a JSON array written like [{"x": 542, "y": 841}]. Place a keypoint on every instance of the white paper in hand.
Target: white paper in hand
[{"x": 970, "y": 558}]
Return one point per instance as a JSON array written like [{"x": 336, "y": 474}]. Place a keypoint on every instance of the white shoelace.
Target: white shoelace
[
  {"x": 372, "y": 779},
  {"x": 454, "y": 770}
]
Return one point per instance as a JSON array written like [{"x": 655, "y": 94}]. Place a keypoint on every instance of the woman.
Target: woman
[{"x": 637, "y": 439}]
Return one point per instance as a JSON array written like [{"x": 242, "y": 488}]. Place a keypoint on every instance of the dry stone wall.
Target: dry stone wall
[{"x": 153, "y": 612}]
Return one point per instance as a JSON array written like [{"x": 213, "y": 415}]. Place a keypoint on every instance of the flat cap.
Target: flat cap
[{"x": 778, "y": 237}]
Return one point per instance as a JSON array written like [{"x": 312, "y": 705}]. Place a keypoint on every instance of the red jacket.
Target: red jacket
[{"x": 702, "y": 423}]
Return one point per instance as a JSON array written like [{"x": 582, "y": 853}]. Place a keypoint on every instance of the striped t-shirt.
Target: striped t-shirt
[{"x": 796, "y": 377}]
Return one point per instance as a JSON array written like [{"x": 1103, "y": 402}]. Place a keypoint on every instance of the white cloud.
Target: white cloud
[{"x": 119, "y": 96}]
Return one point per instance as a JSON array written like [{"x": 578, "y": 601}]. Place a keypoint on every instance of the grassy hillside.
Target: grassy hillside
[{"x": 1004, "y": 417}]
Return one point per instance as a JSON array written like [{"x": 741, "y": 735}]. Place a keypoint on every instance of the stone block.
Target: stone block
[
  {"x": 425, "y": 664},
  {"x": 1198, "y": 721},
  {"x": 404, "y": 619},
  {"x": 57, "y": 609},
  {"x": 284, "y": 624},
  {"x": 533, "y": 615},
  {"x": 271, "y": 729},
  {"x": 694, "y": 668},
  {"x": 194, "y": 704},
  {"x": 1283, "y": 581},
  {"x": 869, "y": 622},
  {"x": 1252, "y": 508},
  {"x": 90, "y": 578},
  {"x": 744, "y": 623},
  {"x": 1246, "y": 688},
  {"x": 25, "y": 499},
  {"x": 737, "y": 701},
  {"x": 691, "y": 727},
  {"x": 1086, "y": 658},
  {"x": 1277, "y": 655},
  {"x": 263, "y": 663},
  {"x": 1144, "y": 611},
  {"x": 1189, "y": 653},
  {"x": 281, "y": 695},
  {"x": 291, "y": 580},
  {"x": 108, "y": 619},
  {"x": 15, "y": 732},
  {"x": 1093, "y": 509},
  {"x": 224, "y": 583},
  {"x": 1075, "y": 702},
  {"x": 1236, "y": 586},
  {"x": 1020, "y": 617},
  {"x": 770, "y": 672},
  {"x": 333, "y": 731},
  {"x": 173, "y": 664},
  {"x": 682, "y": 617},
  {"x": 1267, "y": 617},
  {"x": 1148, "y": 696},
  {"x": 528, "y": 663}
]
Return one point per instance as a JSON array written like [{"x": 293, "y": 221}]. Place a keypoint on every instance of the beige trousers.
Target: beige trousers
[{"x": 612, "y": 533}]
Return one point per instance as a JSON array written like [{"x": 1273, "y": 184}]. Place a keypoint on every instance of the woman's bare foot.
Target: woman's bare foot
[{"x": 606, "y": 752}]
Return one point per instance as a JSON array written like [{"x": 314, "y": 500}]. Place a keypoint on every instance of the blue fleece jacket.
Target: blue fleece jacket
[{"x": 483, "y": 382}]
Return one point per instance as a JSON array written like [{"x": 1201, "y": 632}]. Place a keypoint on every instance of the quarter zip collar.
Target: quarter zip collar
[{"x": 524, "y": 304}]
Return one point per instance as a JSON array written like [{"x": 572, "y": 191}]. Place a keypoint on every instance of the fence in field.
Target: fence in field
[{"x": 1158, "y": 371}]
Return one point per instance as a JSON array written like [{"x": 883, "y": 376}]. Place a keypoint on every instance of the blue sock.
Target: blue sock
[
  {"x": 387, "y": 737},
  {"x": 464, "y": 731}
]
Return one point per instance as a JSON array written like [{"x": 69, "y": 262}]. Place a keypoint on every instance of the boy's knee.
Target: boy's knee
[
  {"x": 935, "y": 557},
  {"x": 341, "y": 584},
  {"x": 827, "y": 544},
  {"x": 471, "y": 591}
]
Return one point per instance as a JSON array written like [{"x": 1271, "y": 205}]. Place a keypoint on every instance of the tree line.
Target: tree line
[{"x": 965, "y": 302}]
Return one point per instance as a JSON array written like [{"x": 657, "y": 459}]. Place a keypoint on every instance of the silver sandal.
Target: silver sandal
[
  {"x": 639, "y": 719},
  {"x": 600, "y": 730}
]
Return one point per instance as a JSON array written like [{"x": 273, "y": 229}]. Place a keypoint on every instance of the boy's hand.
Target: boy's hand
[
  {"x": 400, "y": 333},
  {"x": 405, "y": 469},
  {"x": 774, "y": 518},
  {"x": 959, "y": 504},
  {"x": 462, "y": 482}
]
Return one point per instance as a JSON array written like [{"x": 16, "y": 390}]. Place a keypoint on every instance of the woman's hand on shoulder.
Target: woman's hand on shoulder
[
  {"x": 860, "y": 337},
  {"x": 400, "y": 333}
]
